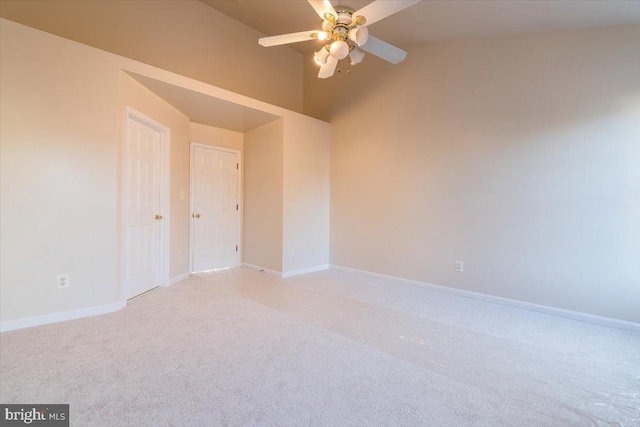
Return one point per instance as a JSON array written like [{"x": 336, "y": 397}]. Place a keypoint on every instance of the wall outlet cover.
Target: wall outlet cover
[
  {"x": 459, "y": 266},
  {"x": 64, "y": 281}
]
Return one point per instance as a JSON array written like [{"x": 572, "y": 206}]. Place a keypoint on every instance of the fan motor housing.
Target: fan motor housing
[
  {"x": 344, "y": 15},
  {"x": 339, "y": 29}
]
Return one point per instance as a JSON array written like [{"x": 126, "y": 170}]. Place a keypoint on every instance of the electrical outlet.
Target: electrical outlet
[
  {"x": 290, "y": 253},
  {"x": 313, "y": 250},
  {"x": 64, "y": 281},
  {"x": 180, "y": 256},
  {"x": 181, "y": 194},
  {"x": 459, "y": 266}
]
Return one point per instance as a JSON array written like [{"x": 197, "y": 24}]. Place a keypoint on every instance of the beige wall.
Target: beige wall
[
  {"x": 183, "y": 36},
  {"x": 519, "y": 156},
  {"x": 218, "y": 137},
  {"x": 58, "y": 178},
  {"x": 306, "y": 194},
  {"x": 263, "y": 181},
  {"x": 286, "y": 195}
]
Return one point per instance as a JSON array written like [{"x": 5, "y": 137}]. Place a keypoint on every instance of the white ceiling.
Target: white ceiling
[
  {"x": 207, "y": 110},
  {"x": 433, "y": 20}
]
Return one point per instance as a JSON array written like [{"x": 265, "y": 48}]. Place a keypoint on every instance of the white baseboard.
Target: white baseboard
[
  {"x": 554, "y": 311},
  {"x": 305, "y": 270},
  {"x": 177, "y": 279},
  {"x": 262, "y": 269},
  {"x": 28, "y": 322}
]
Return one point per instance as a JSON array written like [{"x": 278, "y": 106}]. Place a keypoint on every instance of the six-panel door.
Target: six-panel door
[
  {"x": 215, "y": 215},
  {"x": 142, "y": 248}
]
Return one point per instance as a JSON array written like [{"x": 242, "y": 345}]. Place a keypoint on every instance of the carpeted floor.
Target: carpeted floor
[{"x": 334, "y": 348}]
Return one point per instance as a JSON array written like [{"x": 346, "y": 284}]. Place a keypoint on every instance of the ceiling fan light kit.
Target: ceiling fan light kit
[
  {"x": 359, "y": 35},
  {"x": 346, "y": 31},
  {"x": 339, "y": 49},
  {"x": 356, "y": 56},
  {"x": 321, "y": 56}
]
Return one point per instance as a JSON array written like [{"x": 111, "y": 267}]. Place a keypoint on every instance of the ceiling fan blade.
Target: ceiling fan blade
[
  {"x": 329, "y": 68},
  {"x": 322, "y": 7},
  {"x": 384, "y": 50},
  {"x": 302, "y": 36},
  {"x": 380, "y": 9}
]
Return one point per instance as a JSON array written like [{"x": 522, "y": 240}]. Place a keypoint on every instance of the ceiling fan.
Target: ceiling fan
[{"x": 345, "y": 30}]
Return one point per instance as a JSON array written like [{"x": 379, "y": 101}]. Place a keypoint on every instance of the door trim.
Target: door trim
[
  {"x": 193, "y": 146},
  {"x": 165, "y": 145}
]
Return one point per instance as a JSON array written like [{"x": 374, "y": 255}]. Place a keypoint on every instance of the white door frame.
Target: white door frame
[
  {"x": 191, "y": 186},
  {"x": 165, "y": 142}
]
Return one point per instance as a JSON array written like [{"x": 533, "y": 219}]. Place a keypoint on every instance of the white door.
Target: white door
[
  {"x": 143, "y": 220},
  {"x": 215, "y": 216}
]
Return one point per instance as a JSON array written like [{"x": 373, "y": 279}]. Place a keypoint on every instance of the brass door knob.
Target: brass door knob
[
  {"x": 196, "y": 215},
  {"x": 158, "y": 216}
]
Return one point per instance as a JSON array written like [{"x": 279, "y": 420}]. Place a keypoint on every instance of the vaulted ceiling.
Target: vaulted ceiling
[{"x": 433, "y": 20}]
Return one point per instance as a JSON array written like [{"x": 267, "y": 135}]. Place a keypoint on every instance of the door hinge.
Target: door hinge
[
  {"x": 238, "y": 166},
  {"x": 236, "y": 248},
  {"x": 236, "y": 207}
]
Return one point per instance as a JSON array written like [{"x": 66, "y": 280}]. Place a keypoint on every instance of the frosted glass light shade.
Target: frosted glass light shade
[
  {"x": 359, "y": 35},
  {"x": 321, "y": 56},
  {"x": 356, "y": 56},
  {"x": 339, "y": 49}
]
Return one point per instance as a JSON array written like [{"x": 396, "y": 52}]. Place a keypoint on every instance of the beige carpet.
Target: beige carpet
[{"x": 334, "y": 348}]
